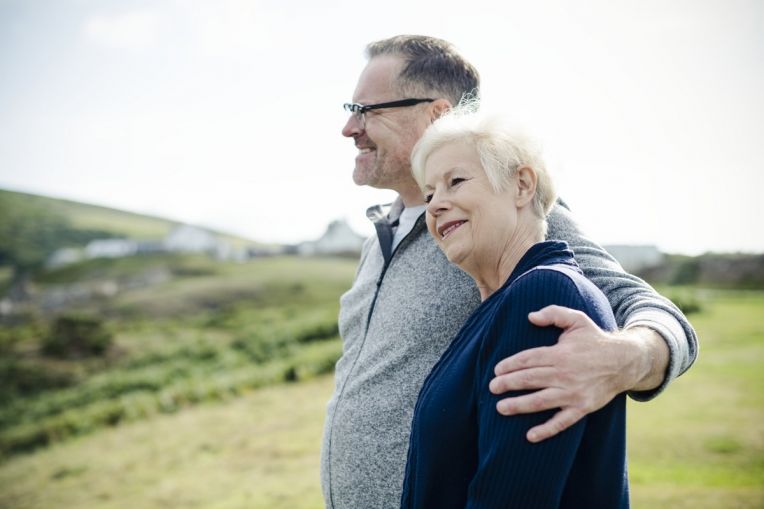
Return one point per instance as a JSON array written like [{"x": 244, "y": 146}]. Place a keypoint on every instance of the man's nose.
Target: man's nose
[{"x": 352, "y": 127}]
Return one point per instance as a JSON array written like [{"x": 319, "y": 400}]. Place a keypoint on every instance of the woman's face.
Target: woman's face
[{"x": 471, "y": 222}]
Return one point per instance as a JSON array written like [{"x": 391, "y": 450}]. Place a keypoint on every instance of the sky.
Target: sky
[{"x": 228, "y": 113}]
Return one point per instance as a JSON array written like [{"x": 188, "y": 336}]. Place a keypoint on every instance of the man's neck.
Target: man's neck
[{"x": 411, "y": 197}]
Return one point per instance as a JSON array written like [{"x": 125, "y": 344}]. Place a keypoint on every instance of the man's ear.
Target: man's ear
[
  {"x": 527, "y": 179},
  {"x": 438, "y": 107}
]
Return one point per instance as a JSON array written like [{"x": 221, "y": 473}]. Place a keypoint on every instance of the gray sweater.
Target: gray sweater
[{"x": 396, "y": 321}]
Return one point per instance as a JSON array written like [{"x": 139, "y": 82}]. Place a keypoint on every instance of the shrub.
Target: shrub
[
  {"x": 24, "y": 378},
  {"x": 686, "y": 300},
  {"x": 77, "y": 336},
  {"x": 688, "y": 304}
]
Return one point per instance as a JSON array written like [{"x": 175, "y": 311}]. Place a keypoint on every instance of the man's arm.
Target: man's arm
[{"x": 655, "y": 345}]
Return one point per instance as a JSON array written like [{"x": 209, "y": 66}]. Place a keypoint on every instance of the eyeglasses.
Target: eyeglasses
[{"x": 359, "y": 110}]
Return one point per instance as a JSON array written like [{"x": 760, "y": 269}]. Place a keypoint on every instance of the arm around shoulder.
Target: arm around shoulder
[{"x": 635, "y": 305}]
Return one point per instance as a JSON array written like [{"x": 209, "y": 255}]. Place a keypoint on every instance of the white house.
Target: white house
[
  {"x": 64, "y": 256},
  {"x": 187, "y": 238},
  {"x": 338, "y": 239},
  {"x": 634, "y": 258},
  {"x": 110, "y": 248}
]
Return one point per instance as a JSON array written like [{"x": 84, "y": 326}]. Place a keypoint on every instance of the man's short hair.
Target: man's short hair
[{"x": 430, "y": 65}]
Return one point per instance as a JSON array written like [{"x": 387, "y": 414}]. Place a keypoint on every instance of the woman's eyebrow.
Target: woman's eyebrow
[{"x": 445, "y": 176}]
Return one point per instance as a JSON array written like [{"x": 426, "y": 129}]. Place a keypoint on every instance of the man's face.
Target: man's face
[{"x": 385, "y": 142}]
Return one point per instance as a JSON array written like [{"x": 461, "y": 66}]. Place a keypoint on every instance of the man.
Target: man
[{"x": 408, "y": 302}]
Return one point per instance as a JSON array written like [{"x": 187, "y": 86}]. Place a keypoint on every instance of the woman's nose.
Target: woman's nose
[{"x": 437, "y": 204}]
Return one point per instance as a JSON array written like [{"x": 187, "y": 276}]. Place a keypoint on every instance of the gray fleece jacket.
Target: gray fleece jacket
[{"x": 397, "y": 320}]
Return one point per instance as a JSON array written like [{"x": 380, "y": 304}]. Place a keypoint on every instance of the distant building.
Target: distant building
[
  {"x": 636, "y": 258},
  {"x": 339, "y": 239},
  {"x": 110, "y": 248},
  {"x": 272, "y": 250},
  {"x": 149, "y": 246},
  {"x": 180, "y": 239},
  {"x": 191, "y": 239},
  {"x": 226, "y": 252},
  {"x": 64, "y": 256}
]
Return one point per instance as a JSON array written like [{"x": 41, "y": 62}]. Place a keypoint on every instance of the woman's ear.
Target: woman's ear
[
  {"x": 527, "y": 180},
  {"x": 438, "y": 108}
]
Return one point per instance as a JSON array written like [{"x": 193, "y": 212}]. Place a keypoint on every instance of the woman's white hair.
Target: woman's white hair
[{"x": 502, "y": 150}]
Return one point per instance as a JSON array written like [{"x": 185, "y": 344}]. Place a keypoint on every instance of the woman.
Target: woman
[{"x": 488, "y": 194}]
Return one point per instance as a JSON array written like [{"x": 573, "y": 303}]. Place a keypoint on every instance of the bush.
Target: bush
[
  {"x": 687, "y": 301},
  {"x": 77, "y": 336},
  {"x": 24, "y": 378},
  {"x": 688, "y": 305}
]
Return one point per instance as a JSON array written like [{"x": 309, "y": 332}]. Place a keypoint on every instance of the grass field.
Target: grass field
[
  {"x": 700, "y": 445},
  {"x": 258, "y": 451},
  {"x": 209, "y": 331}
]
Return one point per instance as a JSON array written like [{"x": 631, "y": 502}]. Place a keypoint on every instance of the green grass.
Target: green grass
[
  {"x": 93, "y": 217},
  {"x": 212, "y": 333},
  {"x": 702, "y": 443},
  {"x": 699, "y": 445},
  {"x": 257, "y": 451}
]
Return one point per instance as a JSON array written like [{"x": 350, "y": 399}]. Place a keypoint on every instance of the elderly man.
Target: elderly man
[{"x": 407, "y": 301}]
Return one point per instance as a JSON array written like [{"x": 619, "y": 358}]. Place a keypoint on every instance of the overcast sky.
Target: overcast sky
[{"x": 228, "y": 113}]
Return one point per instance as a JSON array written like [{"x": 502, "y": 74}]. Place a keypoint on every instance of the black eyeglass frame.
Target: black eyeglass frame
[{"x": 359, "y": 109}]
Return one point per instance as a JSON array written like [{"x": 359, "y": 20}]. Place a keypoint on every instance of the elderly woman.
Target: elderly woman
[{"x": 488, "y": 193}]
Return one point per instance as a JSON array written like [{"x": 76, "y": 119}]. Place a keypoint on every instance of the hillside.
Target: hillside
[
  {"x": 103, "y": 340},
  {"x": 83, "y": 216},
  {"x": 32, "y": 227}
]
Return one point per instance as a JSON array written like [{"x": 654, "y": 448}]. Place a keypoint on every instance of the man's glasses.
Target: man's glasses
[{"x": 359, "y": 110}]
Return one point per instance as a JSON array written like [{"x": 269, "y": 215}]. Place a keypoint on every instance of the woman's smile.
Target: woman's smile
[{"x": 448, "y": 228}]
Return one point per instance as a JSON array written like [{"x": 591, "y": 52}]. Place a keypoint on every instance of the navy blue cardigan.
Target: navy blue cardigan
[{"x": 463, "y": 453}]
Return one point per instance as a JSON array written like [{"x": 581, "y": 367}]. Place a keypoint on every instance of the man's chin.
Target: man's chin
[{"x": 363, "y": 177}]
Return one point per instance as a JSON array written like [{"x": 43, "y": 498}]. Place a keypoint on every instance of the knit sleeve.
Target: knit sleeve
[
  {"x": 634, "y": 302},
  {"x": 513, "y": 472}
]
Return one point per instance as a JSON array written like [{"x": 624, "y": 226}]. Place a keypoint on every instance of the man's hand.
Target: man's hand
[{"x": 586, "y": 369}]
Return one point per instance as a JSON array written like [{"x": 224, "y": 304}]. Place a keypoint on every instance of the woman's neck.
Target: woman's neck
[{"x": 491, "y": 273}]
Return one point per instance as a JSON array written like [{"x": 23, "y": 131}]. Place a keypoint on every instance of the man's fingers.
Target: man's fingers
[
  {"x": 561, "y": 421},
  {"x": 562, "y": 317},
  {"x": 524, "y": 379},
  {"x": 530, "y": 403},
  {"x": 558, "y": 316},
  {"x": 532, "y": 358}
]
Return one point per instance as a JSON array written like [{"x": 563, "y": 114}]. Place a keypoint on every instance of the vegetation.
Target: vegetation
[
  {"x": 85, "y": 217},
  {"x": 700, "y": 444},
  {"x": 76, "y": 336},
  {"x": 697, "y": 446},
  {"x": 710, "y": 270},
  {"x": 212, "y": 333},
  {"x": 259, "y": 451},
  {"x": 30, "y": 230},
  {"x": 32, "y": 227},
  {"x": 125, "y": 382},
  {"x": 686, "y": 298}
]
